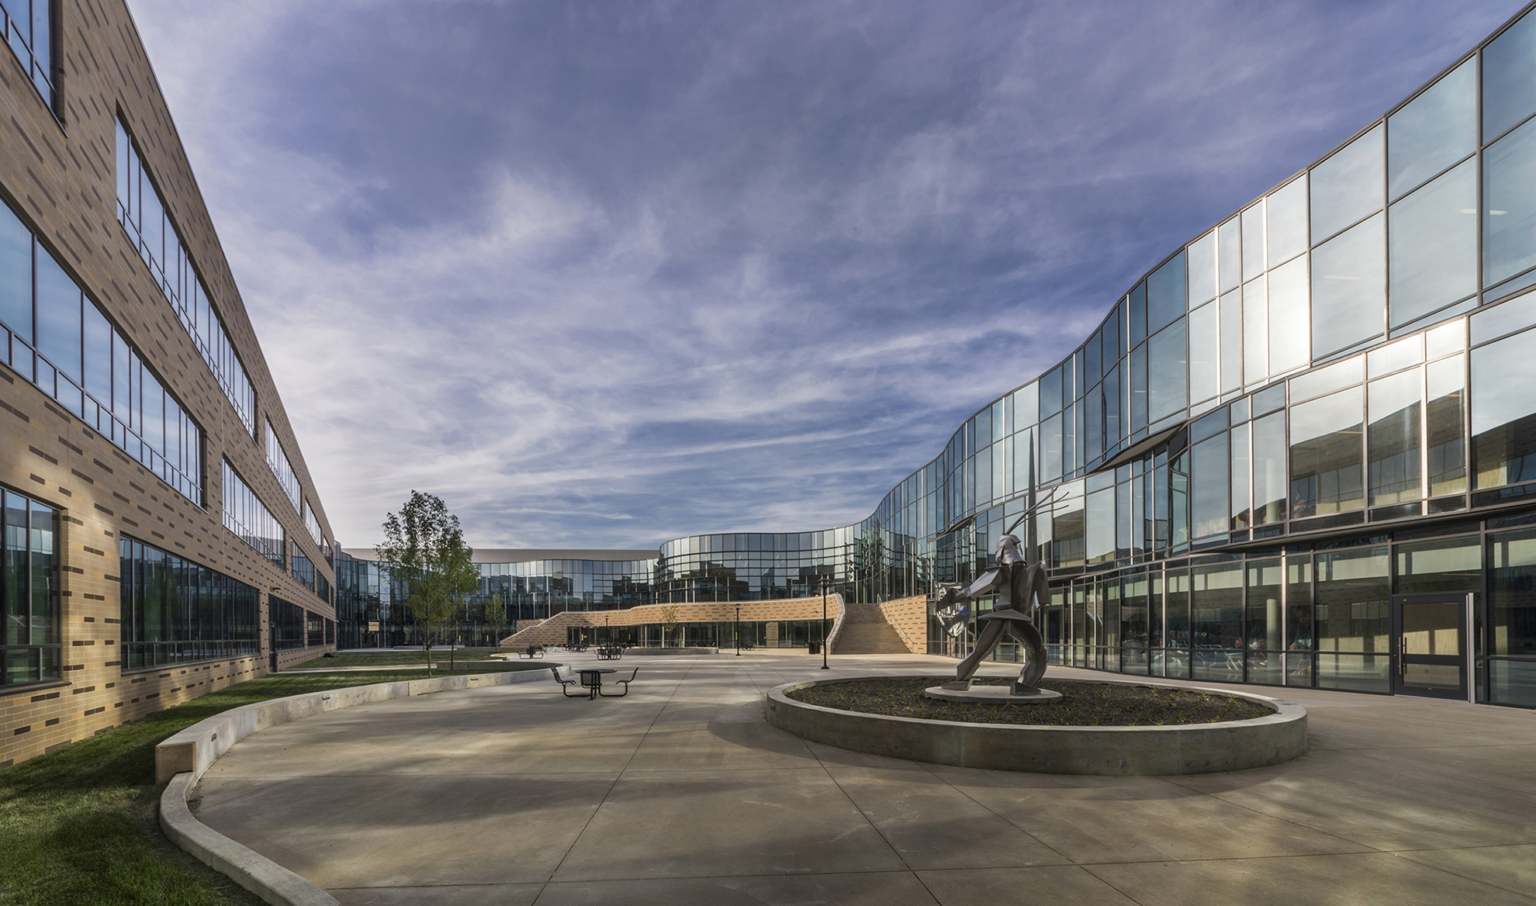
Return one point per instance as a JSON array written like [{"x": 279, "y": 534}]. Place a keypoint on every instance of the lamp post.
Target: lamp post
[
  {"x": 824, "y": 623},
  {"x": 738, "y": 629}
]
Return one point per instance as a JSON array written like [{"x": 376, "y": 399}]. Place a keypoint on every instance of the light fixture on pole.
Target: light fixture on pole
[
  {"x": 824, "y": 623},
  {"x": 738, "y": 629}
]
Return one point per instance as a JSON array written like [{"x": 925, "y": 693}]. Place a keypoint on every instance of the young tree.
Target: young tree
[
  {"x": 669, "y": 623},
  {"x": 425, "y": 554},
  {"x": 496, "y": 615}
]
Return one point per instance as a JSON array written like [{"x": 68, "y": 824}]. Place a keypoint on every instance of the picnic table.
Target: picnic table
[
  {"x": 592, "y": 679},
  {"x": 610, "y": 653}
]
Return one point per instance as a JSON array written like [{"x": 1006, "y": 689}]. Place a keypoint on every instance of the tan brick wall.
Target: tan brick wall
[
  {"x": 62, "y": 181},
  {"x": 909, "y": 616},
  {"x": 553, "y": 630}
]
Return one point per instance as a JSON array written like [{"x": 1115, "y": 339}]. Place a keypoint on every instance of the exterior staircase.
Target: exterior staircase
[{"x": 865, "y": 631}]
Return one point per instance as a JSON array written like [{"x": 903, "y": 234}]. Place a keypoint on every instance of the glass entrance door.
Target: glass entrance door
[{"x": 1429, "y": 645}]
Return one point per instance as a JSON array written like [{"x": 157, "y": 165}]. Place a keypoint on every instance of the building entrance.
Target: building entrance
[{"x": 1429, "y": 634}]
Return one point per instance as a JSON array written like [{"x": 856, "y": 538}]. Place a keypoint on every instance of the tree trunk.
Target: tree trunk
[{"x": 429, "y": 658}]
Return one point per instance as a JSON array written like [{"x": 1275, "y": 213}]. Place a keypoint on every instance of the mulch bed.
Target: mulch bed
[{"x": 1082, "y": 704}]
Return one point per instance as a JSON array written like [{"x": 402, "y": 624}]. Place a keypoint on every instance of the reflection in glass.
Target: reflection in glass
[
  {"x": 1202, "y": 270},
  {"x": 1447, "y": 459},
  {"x": 1348, "y": 288},
  {"x": 1509, "y": 92},
  {"x": 1216, "y": 622},
  {"x": 1230, "y": 253},
  {"x": 1101, "y": 526},
  {"x": 1253, "y": 241},
  {"x": 1067, "y": 525},
  {"x": 1050, "y": 448},
  {"x": 1166, "y": 294},
  {"x": 1239, "y": 503},
  {"x": 1353, "y": 620},
  {"x": 1167, "y": 392},
  {"x": 1435, "y": 130},
  {"x": 1255, "y": 332},
  {"x": 1263, "y": 629},
  {"x": 1050, "y": 393},
  {"x": 1137, "y": 314},
  {"x": 58, "y": 315},
  {"x": 1232, "y": 341},
  {"x": 1512, "y": 617},
  {"x": 1346, "y": 188},
  {"x": 1393, "y": 443},
  {"x": 15, "y": 274},
  {"x": 1177, "y": 635},
  {"x": 1269, "y": 455},
  {"x": 1326, "y": 476},
  {"x": 1204, "y": 349},
  {"x": 1289, "y": 317},
  {"x": 1447, "y": 564},
  {"x": 1509, "y": 205},
  {"x": 1139, "y": 388},
  {"x": 1209, "y": 500},
  {"x": 1434, "y": 245},
  {"x": 1287, "y": 226},
  {"x": 1504, "y": 411},
  {"x": 1299, "y": 640}
]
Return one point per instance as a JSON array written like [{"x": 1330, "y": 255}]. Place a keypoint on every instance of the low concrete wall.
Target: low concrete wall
[
  {"x": 553, "y": 631},
  {"x": 663, "y": 652},
  {"x": 1116, "y": 751},
  {"x": 200, "y": 745}
]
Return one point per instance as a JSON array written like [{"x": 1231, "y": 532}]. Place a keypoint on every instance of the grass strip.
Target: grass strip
[{"x": 79, "y": 825}]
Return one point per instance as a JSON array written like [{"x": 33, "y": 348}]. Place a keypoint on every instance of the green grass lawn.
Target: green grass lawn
[{"x": 79, "y": 825}]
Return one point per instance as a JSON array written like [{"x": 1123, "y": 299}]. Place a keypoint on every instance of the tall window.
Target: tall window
[
  {"x": 29, "y": 33},
  {"x": 245, "y": 515},
  {"x": 176, "y": 611},
  {"x": 55, "y": 336},
  {"x": 288, "y": 624},
  {"x": 278, "y": 461},
  {"x": 29, "y": 592},
  {"x": 141, "y": 211}
]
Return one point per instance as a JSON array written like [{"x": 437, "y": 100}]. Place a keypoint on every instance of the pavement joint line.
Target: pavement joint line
[
  {"x": 1464, "y": 877},
  {"x": 1174, "y": 780},
  {"x": 619, "y": 776},
  {"x": 1024, "y": 830}
]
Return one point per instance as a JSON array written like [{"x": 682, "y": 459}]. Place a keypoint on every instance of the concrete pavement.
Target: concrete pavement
[{"x": 680, "y": 793}]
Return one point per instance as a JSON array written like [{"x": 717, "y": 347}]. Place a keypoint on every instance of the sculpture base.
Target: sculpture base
[{"x": 996, "y": 695}]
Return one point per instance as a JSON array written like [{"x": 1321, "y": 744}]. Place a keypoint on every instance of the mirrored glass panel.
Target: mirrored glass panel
[
  {"x": 1437, "y": 129},
  {"x": 1347, "y": 187},
  {"x": 1349, "y": 288},
  {"x": 1209, "y": 499},
  {"x": 1240, "y": 467},
  {"x": 1509, "y": 92},
  {"x": 1165, "y": 294},
  {"x": 1230, "y": 252},
  {"x": 1204, "y": 351},
  {"x": 1253, "y": 241},
  {"x": 1269, "y": 485},
  {"x": 15, "y": 274},
  {"x": 1446, "y": 380},
  {"x": 1290, "y": 319},
  {"x": 1326, "y": 473},
  {"x": 1255, "y": 332},
  {"x": 1392, "y": 446},
  {"x": 1504, "y": 411},
  {"x": 1167, "y": 390},
  {"x": 1509, "y": 205},
  {"x": 1434, "y": 245},
  {"x": 1202, "y": 270},
  {"x": 1287, "y": 227},
  {"x": 1232, "y": 341}
]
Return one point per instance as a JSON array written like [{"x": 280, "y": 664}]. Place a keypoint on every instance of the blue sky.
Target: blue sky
[{"x": 604, "y": 274}]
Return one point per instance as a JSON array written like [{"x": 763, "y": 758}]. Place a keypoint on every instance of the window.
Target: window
[
  {"x": 1447, "y": 381},
  {"x": 1209, "y": 497},
  {"x": 1509, "y": 205},
  {"x": 1202, "y": 270},
  {"x": 245, "y": 515},
  {"x": 302, "y": 567},
  {"x": 1434, "y": 131},
  {"x": 1512, "y": 615},
  {"x": 1349, "y": 288},
  {"x": 142, "y": 213},
  {"x": 1346, "y": 188},
  {"x": 1326, "y": 476},
  {"x": 1509, "y": 92},
  {"x": 1504, "y": 411},
  {"x": 312, "y": 524},
  {"x": 175, "y": 611},
  {"x": 1434, "y": 245},
  {"x": 1353, "y": 620},
  {"x": 1166, "y": 296},
  {"x": 1289, "y": 337},
  {"x": 29, "y": 33},
  {"x": 1287, "y": 222},
  {"x": 1167, "y": 385},
  {"x": 288, "y": 624},
  {"x": 278, "y": 461},
  {"x": 1393, "y": 443},
  {"x": 71, "y": 352},
  {"x": 30, "y": 650}
]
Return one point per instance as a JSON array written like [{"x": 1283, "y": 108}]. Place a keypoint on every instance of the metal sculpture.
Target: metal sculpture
[{"x": 1019, "y": 582}]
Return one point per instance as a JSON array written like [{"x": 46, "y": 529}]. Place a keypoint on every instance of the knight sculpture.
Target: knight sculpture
[{"x": 1019, "y": 582}]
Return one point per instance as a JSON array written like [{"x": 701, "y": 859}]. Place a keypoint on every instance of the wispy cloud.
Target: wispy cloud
[{"x": 604, "y": 275}]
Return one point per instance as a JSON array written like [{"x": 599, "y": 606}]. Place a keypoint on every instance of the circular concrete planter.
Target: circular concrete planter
[{"x": 1116, "y": 751}]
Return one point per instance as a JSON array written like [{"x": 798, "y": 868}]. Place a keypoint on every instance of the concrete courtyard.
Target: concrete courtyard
[{"x": 680, "y": 793}]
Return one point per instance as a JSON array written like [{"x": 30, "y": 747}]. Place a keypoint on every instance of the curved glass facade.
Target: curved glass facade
[{"x": 1295, "y": 451}]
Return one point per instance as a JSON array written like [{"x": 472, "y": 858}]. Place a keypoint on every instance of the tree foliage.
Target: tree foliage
[{"x": 428, "y": 561}]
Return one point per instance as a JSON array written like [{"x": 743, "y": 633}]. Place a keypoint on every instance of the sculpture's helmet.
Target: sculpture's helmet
[{"x": 1008, "y": 550}]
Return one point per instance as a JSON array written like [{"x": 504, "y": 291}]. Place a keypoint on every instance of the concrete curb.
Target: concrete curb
[
  {"x": 200, "y": 745},
  {"x": 1113, "y": 751},
  {"x": 246, "y": 867}
]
